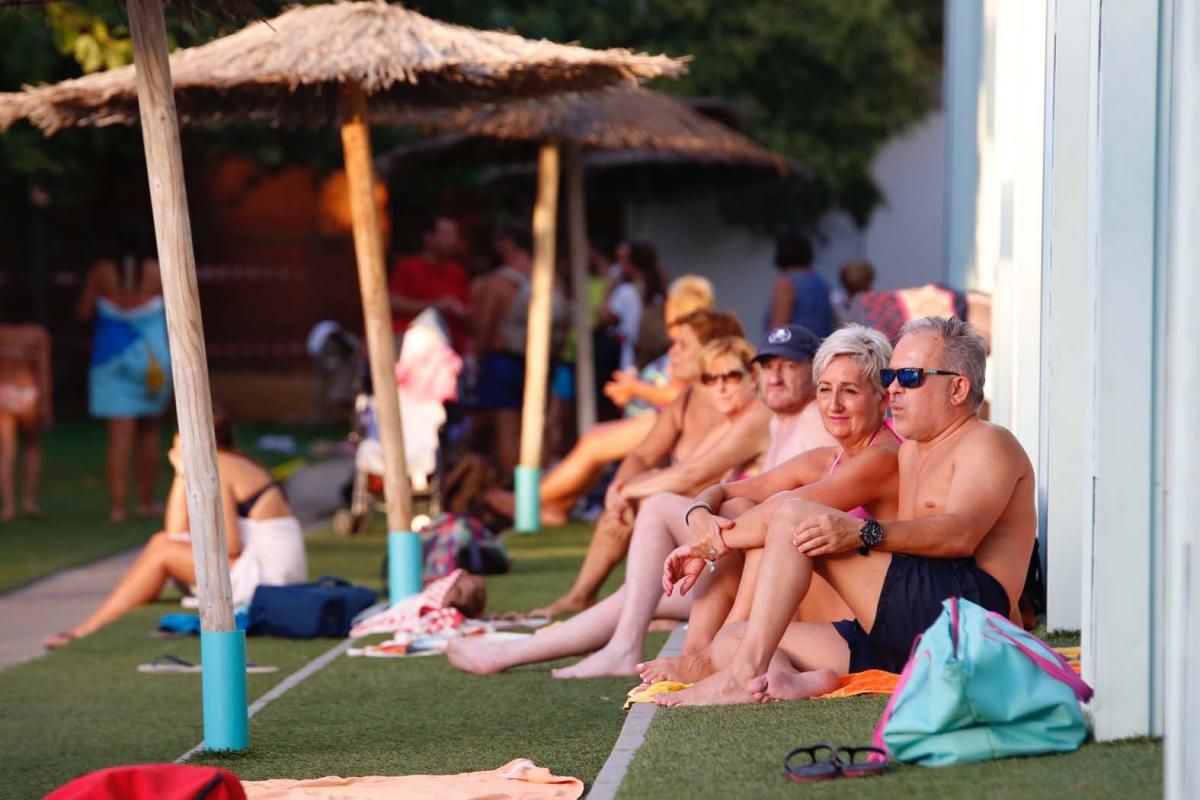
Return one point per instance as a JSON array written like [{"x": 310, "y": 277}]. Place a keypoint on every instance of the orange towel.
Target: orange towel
[
  {"x": 520, "y": 779},
  {"x": 871, "y": 681}
]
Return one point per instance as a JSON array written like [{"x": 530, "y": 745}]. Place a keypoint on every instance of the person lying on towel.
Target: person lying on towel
[
  {"x": 264, "y": 540},
  {"x": 966, "y": 527}
]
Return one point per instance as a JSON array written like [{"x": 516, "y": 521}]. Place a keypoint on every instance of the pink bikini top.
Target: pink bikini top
[{"x": 861, "y": 512}]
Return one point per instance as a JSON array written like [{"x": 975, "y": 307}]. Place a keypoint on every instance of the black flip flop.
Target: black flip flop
[
  {"x": 863, "y": 761},
  {"x": 822, "y": 763}
]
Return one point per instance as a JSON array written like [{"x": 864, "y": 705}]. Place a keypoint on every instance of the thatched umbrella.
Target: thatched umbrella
[
  {"x": 615, "y": 118},
  {"x": 309, "y": 65}
]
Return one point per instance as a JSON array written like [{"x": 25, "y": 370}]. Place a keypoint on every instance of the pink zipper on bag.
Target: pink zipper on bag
[{"x": 1058, "y": 668}]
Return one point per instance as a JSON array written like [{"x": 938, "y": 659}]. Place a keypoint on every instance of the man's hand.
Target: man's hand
[
  {"x": 622, "y": 388},
  {"x": 683, "y": 567},
  {"x": 706, "y": 528},
  {"x": 827, "y": 534}
]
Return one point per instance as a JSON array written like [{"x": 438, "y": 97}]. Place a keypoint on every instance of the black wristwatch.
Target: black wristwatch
[{"x": 870, "y": 536}]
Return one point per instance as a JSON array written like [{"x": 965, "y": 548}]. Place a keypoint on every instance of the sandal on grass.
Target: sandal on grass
[
  {"x": 171, "y": 663},
  {"x": 824, "y": 761}
]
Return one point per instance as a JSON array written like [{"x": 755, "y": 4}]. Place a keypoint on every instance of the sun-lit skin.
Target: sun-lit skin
[
  {"x": 845, "y": 400},
  {"x": 729, "y": 396},
  {"x": 786, "y": 385},
  {"x": 938, "y": 401},
  {"x": 684, "y": 354}
]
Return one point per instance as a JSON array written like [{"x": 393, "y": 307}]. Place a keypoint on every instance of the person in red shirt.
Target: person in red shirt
[{"x": 433, "y": 278}]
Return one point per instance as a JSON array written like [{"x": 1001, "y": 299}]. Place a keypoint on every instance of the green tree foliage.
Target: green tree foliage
[{"x": 826, "y": 82}]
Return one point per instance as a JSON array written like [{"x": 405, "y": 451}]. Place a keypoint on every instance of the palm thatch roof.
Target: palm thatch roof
[
  {"x": 614, "y": 118},
  {"x": 287, "y": 70}
]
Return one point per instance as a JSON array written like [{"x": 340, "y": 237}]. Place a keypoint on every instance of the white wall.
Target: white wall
[{"x": 905, "y": 237}]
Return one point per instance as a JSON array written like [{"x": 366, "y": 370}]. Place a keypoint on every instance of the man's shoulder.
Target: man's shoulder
[{"x": 994, "y": 440}]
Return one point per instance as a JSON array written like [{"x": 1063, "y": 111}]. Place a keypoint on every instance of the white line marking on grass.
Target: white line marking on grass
[
  {"x": 633, "y": 734},
  {"x": 278, "y": 690}
]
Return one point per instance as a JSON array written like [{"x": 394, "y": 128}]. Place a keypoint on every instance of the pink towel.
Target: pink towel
[
  {"x": 517, "y": 780},
  {"x": 424, "y": 613}
]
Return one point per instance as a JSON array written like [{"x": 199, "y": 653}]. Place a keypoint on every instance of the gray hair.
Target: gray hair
[
  {"x": 869, "y": 348},
  {"x": 962, "y": 348}
]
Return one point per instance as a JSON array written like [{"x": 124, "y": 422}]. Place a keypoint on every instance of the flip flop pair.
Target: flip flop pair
[{"x": 824, "y": 761}]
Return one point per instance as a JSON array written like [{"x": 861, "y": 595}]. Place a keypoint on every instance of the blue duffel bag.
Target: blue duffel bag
[{"x": 323, "y": 608}]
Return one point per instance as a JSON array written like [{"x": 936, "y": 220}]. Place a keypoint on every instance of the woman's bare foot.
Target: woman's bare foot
[
  {"x": 31, "y": 510},
  {"x": 567, "y": 604},
  {"x": 657, "y": 625},
  {"x": 58, "y": 640},
  {"x": 501, "y": 502},
  {"x": 477, "y": 657},
  {"x": 8, "y": 514},
  {"x": 782, "y": 683},
  {"x": 604, "y": 663},
  {"x": 685, "y": 668},
  {"x": 719, "y": 689},
  {"x": 116, "y": 515}
]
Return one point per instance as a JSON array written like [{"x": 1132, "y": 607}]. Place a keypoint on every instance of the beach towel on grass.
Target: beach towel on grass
[
  {"x": 871, "y": 681},
  {"x": 520, "y": 778},
  {"x": 422, "y": 613}
]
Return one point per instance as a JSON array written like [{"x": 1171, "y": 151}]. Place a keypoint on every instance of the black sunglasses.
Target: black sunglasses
[
  {"x": 734, "y": 376},
  {"x": 910, "y": 377}
]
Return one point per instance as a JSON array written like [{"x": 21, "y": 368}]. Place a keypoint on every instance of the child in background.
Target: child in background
[{"x": 858, "y": 276}]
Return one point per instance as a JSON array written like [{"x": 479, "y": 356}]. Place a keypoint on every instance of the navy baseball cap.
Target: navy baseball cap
[{"x": 793, "y": 342}]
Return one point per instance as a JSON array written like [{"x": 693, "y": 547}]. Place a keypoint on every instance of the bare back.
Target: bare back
[
  {"x": 124, "y": 284},
  {"x": 993, "y": 472}
]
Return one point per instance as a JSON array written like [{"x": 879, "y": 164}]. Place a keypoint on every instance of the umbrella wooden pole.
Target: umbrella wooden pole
[
  {"x": 404, "y": 556},
  {"x": 537, "y": 343},
  {"x": 223, "y": 648},
  {"x": 585, "y": 366}
]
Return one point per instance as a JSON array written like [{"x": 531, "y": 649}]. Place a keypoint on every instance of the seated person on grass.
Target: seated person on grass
[
  {"x": 861, "y": 471},
  {"x": 965, "y": 527},
  {"x": 702, "y": 439},
  {"x": 265, "y": 542},
  {"x": 607, "y": 442}
]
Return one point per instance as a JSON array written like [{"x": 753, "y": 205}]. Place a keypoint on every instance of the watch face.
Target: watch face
[{"x": 871, "y": 534}]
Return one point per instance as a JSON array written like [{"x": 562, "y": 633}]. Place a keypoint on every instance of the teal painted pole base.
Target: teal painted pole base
[
  {"x": 223, "y": 681},
  {"x": 404, "y": 565},
  {"x": 529, "y": 500}
]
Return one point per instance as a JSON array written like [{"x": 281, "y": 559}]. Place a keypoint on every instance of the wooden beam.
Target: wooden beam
[
  {"x": 173, "y": 233},
  {"x": 585, "y": 366},
  {"x": 537, "y": 347},
  {"x": 377, "y": 313}
]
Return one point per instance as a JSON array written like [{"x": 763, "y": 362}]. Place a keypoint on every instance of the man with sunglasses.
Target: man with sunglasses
[{"x": 966, "y": 527}]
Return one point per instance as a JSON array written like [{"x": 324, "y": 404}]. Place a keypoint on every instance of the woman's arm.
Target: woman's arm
[
  {"x": 175, "y": 520},
  {"x": 233, "y": 534},
  {"x": 750, "y": 436},
  {"x": 783, "y": 298}
]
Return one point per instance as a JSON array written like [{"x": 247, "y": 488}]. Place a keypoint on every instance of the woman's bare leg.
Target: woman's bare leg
[
  {"x": 31, "y": 473},
  {"x": 583, "y": 632},
  {"x": 160, "y": 560},
  {"x": 659, "y": 522},
  {"x": 8, "y": 465},
  {"x": 784, "y": 578},
  {"x": 609, "y": 544},
  {"x": 508, "y": 439},
  {"x": 149, "y": 457},
  {"x": 121, "y": 434}
]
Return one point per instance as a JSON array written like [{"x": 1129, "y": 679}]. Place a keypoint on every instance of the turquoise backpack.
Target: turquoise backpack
[{"x": 978, "y": 687}]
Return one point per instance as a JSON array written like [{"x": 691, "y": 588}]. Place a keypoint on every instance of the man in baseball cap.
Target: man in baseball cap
[{"x": 785, "y": 380}]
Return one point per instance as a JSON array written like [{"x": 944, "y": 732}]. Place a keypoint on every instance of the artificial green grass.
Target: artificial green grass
[
  {"x": 74, "y": 527},
  {"x": 745, "y": 746},
  {"x": 85, "y": 707},
  {"x": 738, "y": 752}
]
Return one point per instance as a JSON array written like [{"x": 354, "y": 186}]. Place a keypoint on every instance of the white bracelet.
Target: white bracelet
[{"x": 693, "y": 507}]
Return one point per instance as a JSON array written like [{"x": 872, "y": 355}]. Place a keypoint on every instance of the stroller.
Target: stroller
[{"x": 426, "y": 378}]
